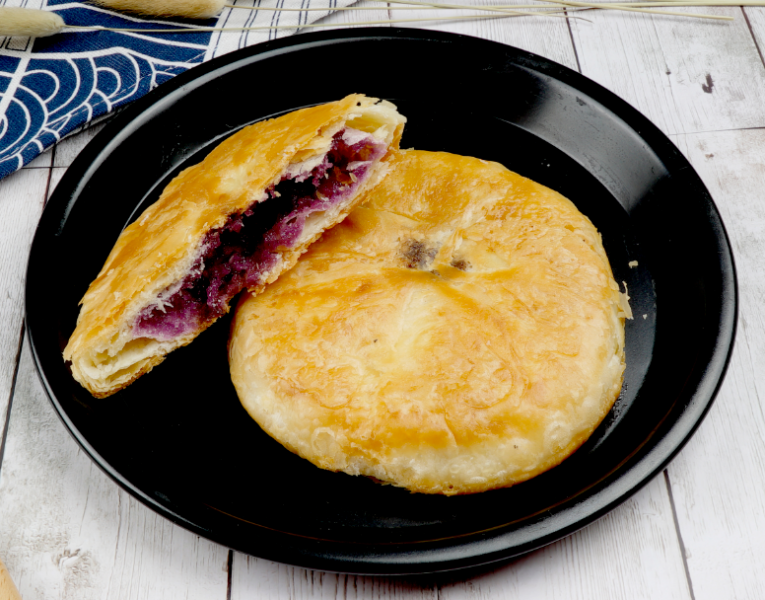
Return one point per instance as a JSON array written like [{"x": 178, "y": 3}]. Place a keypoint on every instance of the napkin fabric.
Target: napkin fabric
[{"x": 50, "y": 87}]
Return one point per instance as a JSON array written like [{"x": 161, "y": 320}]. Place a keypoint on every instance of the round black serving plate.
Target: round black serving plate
[{"x": 179, "y": 440}]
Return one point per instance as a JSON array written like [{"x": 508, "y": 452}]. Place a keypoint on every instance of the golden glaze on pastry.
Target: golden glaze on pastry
[
  {"x": 460, "y": 331},
  {"x": 120, "y": 334}
]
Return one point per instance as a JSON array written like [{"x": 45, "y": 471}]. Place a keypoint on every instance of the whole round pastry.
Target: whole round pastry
[{"x": 459, "y": 332}]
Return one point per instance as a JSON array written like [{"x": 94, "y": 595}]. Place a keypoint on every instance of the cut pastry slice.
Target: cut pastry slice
[
  {"x": 237, "y": 220},
  {"x": 460, "y": 331}
]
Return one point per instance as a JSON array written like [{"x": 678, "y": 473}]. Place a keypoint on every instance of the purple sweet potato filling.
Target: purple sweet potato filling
[{"x": 237, "y": 255}]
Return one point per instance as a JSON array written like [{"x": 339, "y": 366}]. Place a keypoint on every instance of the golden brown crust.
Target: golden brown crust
[
  {"x": 461, "y": 331},
  {"x": 159, "y": 248},
  {"x": 8, "y": 590}
]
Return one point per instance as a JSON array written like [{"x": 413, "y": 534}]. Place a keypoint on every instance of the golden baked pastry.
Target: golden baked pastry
[
  {"x": 8, "y": 590},
  {"x": 236, "y": 220},
  {"x": 460, "y": 331}
]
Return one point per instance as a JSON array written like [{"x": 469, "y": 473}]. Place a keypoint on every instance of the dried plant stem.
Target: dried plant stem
[
  {"x": 24, "y": 21},
  {"x": 661, "y": 3},
  {"x": 504, "y": 10},
  {"x": 420, "y": 6},
  {"x": 353, "y": 8},
  {"x": 623, "y": 7},
  {"x": 551, "y": 13},
  {"x": 589, "y": 5},
  {"x": 702, "y": 3},
  {"x": 506, "y": 7},
  {"x": 406, "y": 5},
  {"x": 637, "y": 7},
  {"x": 630, "y": 8}
]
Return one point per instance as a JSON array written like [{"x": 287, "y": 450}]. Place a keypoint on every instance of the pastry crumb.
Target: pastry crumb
[{"x": 461, "y": 264}]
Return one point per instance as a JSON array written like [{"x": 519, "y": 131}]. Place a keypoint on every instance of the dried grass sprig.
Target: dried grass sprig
[
  {"x": 573, "y": 3},
  {"x": 552, "y": 13},
  {"x": 29, "y": 22}
]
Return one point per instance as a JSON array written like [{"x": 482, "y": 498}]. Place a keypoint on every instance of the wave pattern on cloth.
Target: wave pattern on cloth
[{"x": 51, "y": 86}]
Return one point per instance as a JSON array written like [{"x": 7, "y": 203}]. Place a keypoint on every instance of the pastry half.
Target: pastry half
[
  {"x": 236, "y": 220},
  {"x": 460, "y": 331}
]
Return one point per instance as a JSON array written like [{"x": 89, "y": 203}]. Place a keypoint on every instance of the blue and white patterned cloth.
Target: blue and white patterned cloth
[{"x": 52, "y": 86}]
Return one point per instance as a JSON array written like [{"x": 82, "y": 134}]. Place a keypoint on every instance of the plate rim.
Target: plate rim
[{"x": 487, "y": 546}]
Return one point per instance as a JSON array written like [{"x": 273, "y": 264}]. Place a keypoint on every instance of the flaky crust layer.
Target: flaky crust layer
[
  {"x": 160, "y": 247},
  {"x": 459, "y": 332}
]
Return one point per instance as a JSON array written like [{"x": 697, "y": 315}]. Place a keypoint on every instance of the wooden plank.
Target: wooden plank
[
  {"x": 632, "y": 553},
  {"x": 70, "y": 532},
  {"x": 717, "y": 480},
  {"x": 686, "y": 75},
  {"x": 21, "y": 200},
  {"x": 546, "y": 36},
  {"x": 258, "y": 578}
]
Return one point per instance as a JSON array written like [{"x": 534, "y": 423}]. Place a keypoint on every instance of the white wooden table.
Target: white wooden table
[{"x": 695, "y": 532}]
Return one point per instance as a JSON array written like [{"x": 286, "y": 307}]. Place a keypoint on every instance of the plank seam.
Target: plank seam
[
  {"x": 754, "y": 37},
  {"x": 228, "y": 577},
  {"x": 50, "y": 179},
  {"x": 573, "y": 43},
  {"x": 679, "y": 535},
  {"x": 52, "y": 162},
  {"x": 7, "y": 424}
]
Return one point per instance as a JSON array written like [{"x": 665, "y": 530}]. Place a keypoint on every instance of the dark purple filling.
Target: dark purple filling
[{"x": 237, "y": 255}]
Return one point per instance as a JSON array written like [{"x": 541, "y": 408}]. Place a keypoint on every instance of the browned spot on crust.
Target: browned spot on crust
[
  {"x": 416, "y": 254},
  {"x": 461, "y": 264}
]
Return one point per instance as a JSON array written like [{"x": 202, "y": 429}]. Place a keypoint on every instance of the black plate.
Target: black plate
[{"x": 180, "y": 442}]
